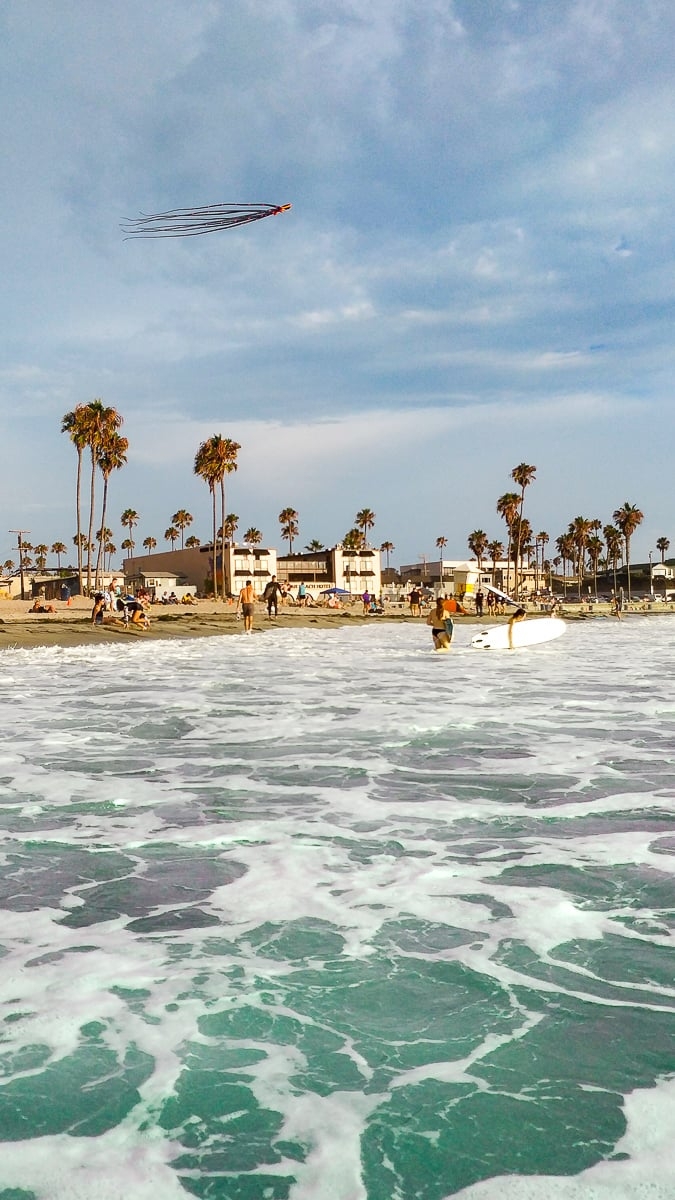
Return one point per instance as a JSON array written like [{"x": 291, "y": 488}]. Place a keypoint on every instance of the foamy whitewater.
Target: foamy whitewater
[{"x": 327, "y": 915}]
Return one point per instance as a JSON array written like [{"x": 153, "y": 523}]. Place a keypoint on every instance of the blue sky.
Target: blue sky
[{"x": 477, "y": 270}]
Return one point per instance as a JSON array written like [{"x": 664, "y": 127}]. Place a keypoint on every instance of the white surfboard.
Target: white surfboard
[{"x": 525, "y": 633}]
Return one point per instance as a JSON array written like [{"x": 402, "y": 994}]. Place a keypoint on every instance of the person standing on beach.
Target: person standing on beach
[
  {"x": 271, "y": 596},
  {"x": 247, "y": 602},
  {"x": 414, "y": 601},
  {"x": 480, "y": 599}
]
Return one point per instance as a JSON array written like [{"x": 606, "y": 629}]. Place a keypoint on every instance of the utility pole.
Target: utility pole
[{"x": 20, "y": 532}]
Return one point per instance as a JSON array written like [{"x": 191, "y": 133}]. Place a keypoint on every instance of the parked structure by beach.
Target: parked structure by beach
[{"x": 461, "y": 577}]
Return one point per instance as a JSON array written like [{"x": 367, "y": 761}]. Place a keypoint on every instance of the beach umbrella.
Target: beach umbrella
[{"x": 336, "y": 591}]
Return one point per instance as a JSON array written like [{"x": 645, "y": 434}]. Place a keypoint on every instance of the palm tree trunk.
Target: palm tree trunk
[
  {"x": 79, "y": 518},
  {"x": 91, "y": 518},
  {"x": 102, "y": 539}
]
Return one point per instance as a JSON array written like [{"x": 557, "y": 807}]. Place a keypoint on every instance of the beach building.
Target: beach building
[
  {"x": 461, "y": 577},
  {"x": 354, "y": 571},
  {"x": 193, "y": 569}
]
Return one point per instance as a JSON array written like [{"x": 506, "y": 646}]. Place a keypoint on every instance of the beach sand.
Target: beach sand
[{"x": 71, "y": 624}]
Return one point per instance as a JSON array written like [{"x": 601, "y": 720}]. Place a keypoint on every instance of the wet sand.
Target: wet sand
[{"x": 71, "y": 624}]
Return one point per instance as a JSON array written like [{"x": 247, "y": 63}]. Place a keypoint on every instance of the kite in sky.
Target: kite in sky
[{"x": 188, "y": 222}]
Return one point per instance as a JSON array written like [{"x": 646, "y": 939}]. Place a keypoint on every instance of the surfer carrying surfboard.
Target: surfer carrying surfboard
[
  {"x": 442, "y": 627},
  {"x": 519, "y": 615}
]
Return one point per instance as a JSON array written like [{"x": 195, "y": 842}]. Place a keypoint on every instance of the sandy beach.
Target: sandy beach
[{"x": 71, "y": 624}]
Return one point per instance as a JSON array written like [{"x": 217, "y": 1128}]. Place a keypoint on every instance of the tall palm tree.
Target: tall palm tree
[
  {"x": 614, "y": 544},
  {"x": 75, "y": 425},
  {"x": 111, "y": 455},
  {"x": 216, "y": 458},
  {"x": 41, "y": 553},
  {"x": 627, "y": 518},
  {"x": 101, "y": 423},
  {"x": 387, "y": 548},
  {"x": 523, "y": 476},
  {"x": 594, "y": 548},
  {"x": 478, "y": 544},
  {"x": 182, "y": 519},
  {"x": 364, "y": 520},
  {"x": 149, "y": 544},
  {"x": 662, "y": 544},
  {"x": 288, "y": 519},
  {"x": 60, "y": 548},
  {"x": 580, "y": 530},
  {"x": 128, "y": 519},
  {"x": 566, "y": 549},
  {"x": 495, "y": 549},
  {"x": 128, "y": 545},
  {"x": 507, "y": 507},
  {"x": 542, "y": 540},
  {"x": 110, "y": 548},
  {"x": 441, "y": 543},
  {"x": 171, "y": 535},
  {"x": 192, "y": 542}
]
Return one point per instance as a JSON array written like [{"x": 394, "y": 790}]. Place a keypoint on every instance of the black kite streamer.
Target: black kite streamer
[{"x": 189, "y": 222}]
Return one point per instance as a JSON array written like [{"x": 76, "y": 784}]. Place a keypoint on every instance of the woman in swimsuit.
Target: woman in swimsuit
[{"x": 441, "y": 626}]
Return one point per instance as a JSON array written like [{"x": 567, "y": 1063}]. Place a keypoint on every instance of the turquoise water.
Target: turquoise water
[{"x": 328, "y": 915}]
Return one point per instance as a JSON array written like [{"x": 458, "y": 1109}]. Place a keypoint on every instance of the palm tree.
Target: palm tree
[
  {"x": 110, "y": 548},
  {"x": 216, "y": 458},
  {"x": 149, "y": 544},
  {"x": 60, "y": 548},
  {"x": 171, "y": 535},
  {"x": 496, "y": 550},
  {"x": 75, "y": 425},
  {"x": 364, "y": 520},
  {"x": 662, "y": 544},
  {"x": 354, "y": 539},
  {"x": 523, "y": 475},
  {"x": 580, "y": 530},
  {"x": 41, "y": 553},
  {"x": 128, "y": 519},
  {"x": 566, "y": 549},
  {"x": 230, "y": 527},
  {"x": 627, "y": 518},
  {"x": 111, "y": 455},
  {"x": 101, "y": 423},
  {"x": 614, "y": 544},
  {"x": 182, "y": 519},
  {"x": 128, "y": 545},
  {"x": 542, "y": 540},
  {"x": 386, "y": 548},
  {"x": 507, "y": 507},
  {"x": 288, "y": 519},
  {"x": 192, "y": 542},
  {"x": 441, "y": 543},
  {"x": 8, "y": 565},
  {"x": 478, "y": 544},
  {"x": 594, "y": 548},
  {"x": 315, "y": 546}
]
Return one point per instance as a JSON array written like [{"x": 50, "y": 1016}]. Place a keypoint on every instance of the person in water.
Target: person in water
[
  {"x": 519, "y": 615},
  {"x": 442, "y": 627}
]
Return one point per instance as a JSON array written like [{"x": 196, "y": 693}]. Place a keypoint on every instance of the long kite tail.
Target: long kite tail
[{"x": 190, "y": 222}]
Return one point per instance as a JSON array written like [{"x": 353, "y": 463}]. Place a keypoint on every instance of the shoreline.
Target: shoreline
[{"x": 71, "y": 625}]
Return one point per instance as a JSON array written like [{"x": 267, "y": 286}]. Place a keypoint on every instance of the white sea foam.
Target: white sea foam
[{"x": 520, "y": 807}]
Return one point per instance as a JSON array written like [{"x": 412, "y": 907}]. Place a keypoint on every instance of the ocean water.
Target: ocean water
[{"x": 325, "y": 915}]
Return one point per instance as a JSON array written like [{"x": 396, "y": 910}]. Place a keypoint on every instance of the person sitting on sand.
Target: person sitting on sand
[
  {"x": 519, "y": 615},
  {"x": 453, "y": 606},
  {"x": 441, "y": 626},
  {"x": 98, "y": 609},
  {"x": 42, "y": 608},
  {"x": 188, "y": 598}
]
